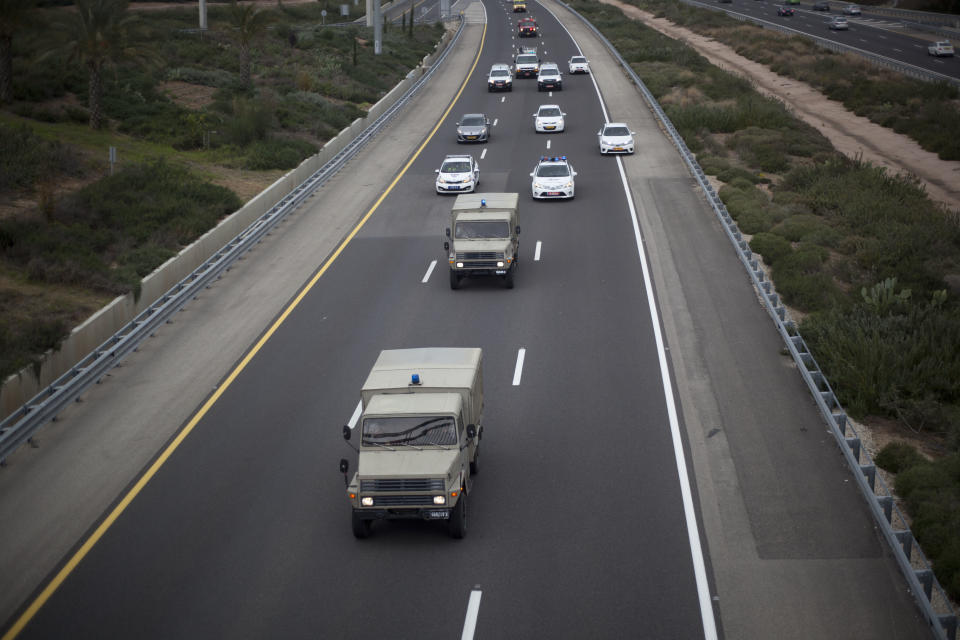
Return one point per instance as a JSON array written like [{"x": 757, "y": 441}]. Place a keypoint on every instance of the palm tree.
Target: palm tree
[
  {"x": 14, "y": 15},
  {"x": 249, "y": 22},
  {"x": 99, "y": 36}
]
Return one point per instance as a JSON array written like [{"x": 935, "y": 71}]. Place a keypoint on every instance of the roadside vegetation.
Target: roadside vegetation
[
  {"x": 201, "y": 122},
  {"x": 865, "y": 258},
  {"x": 927, "y": 112}
]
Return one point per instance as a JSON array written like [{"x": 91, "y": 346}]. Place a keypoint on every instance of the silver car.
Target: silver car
[
  {"x": 838, "y": 24},
  {"x": 615, "y": 137},
  {"x": 473, "y": 127},
  {"x": 549, "y": 77},
  {"x": 852, "y": 10},
  {"x": 458, "y": 174}
]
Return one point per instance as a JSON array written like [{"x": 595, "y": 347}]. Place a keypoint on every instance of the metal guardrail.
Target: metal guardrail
[
  {"x": 20, "y": 426},
  {"x": 913, "y": 71},
  {"x": 914, "y": 565}
]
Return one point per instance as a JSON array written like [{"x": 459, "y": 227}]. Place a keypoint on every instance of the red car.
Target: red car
[
  {"x": 784, "y": 11},
  {"x": 527, "y": 28}
]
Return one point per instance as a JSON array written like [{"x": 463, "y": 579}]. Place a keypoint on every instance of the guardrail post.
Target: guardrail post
[
  {"x": 925, "y": 576},
  {"x": 870, "y": 472},
  {"x": 886, "y": 503},
  {"x": 905, "y": 538},
  {"x": 854, "y": 445}
]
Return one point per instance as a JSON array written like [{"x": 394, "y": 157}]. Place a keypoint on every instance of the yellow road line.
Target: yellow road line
[{"x": 95, "y": 537}]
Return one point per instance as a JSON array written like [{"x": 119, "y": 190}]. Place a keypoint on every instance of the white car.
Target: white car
[
  {"x": 943, "y": 48},
  {"x": 552, "y": 178},
  {"x": 549, "y": 77},
  {"x": 500, "y": 78},
  {"x": 548, "y": 118},
  {"x": 838, "y": 24},
  {"x": 458, "y": 174},
  {"x": 852, "y": 10},
  {"x": 578, "y": 64},
  {"x": 615, "y": 137}
]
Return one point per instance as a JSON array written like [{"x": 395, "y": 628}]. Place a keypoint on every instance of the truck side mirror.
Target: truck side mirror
[
  {"x": 344, "y": 465},
  {"x": 346, "y": 432},
  {"x": 446, "y": 246},
  {"x": 471, "y": 431},
  {"x": 448, "y": 232},
  {"x": 518, "y": 229}
]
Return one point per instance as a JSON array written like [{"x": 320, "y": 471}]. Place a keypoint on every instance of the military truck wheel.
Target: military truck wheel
[
  {"x": 361, "y": 528},
  {"x": 475, "y": 463},
  {"x": 458, "y": 518},
  {"x": 508, "y": 279},
  {"x": 454, "y": 280}
]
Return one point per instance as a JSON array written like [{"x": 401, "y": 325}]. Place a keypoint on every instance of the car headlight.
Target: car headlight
[
  {"x": 568, "y": 185},
  {"x": 439, "y": 500},
  {"x": 538, "y": 185},
  {"x": 367, "y": 501}
]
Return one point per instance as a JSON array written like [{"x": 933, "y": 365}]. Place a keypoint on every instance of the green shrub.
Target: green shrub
[
  {"x": 897, "y": 457},
  {"x": 771, "y": 246},
  {"x": 26, "y": 158},
  {"x": 277, "y": 153},
  {"x": 806, "y": 227},
  {"x": 206, "y": 77},
  {"x": 749, "y": 206}
]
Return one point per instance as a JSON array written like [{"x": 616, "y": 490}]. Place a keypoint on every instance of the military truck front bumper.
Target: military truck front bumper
[{"x": 424, "y": 513}]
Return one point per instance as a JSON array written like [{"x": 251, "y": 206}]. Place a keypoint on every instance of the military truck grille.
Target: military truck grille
[
  {"x": 403, "y": 501},
  {"x": 403, "y": 484},
  {"x": 480, "y": 255}
]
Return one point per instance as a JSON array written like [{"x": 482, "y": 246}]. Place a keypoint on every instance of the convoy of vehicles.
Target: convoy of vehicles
[
  {"x": 419, "y": 431},
  {"x": 483, "y": 238},
  {"x": 458, "y": 174},
  {"x": 548, "y": 119}
]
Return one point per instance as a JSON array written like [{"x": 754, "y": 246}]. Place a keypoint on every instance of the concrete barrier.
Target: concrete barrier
[{"x": 20, "y": 387}]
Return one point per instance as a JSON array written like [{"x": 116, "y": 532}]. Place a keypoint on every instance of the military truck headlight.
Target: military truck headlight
[
  {"x": 459, "y": 265},
  {"x": 367, "y": 501},
  {"x": 500, "y": 263},
  {"x": 439, "y": 500}
]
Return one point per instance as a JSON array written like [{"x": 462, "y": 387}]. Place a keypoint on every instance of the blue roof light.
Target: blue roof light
[
  {"x": 564, "y": 158},
  {"x": 483, "y": 203},
  {"x": 415, "y": 378}
]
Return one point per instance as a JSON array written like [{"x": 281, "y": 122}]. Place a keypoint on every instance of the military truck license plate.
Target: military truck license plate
[{"x": 438, "y": 515}]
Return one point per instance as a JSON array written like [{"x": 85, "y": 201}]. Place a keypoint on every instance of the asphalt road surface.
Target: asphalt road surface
[{"x": 577, "y": 524}]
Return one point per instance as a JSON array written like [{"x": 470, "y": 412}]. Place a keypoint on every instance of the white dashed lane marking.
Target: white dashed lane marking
[
  {"x": 536, "y": 253},
  {"x": 426, "y": 276},
  {"x": 518, "y": 371},
  {"x": 483, "y": 154}
]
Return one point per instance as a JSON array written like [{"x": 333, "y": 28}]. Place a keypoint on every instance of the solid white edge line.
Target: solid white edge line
[
  {"x": 518, "y": 370},
  {"x": 430, "y": 269},
  {"x": 536, "y": 253},
  {"x": 473, "y": 610},
  {"x": 693, "y": 530},
  {"x": 356, "y": 415}
]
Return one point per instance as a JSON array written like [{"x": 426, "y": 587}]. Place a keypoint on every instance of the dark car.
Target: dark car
[
  {"x": 784, "y": 11},
  {"x": 821, "y": 6}
]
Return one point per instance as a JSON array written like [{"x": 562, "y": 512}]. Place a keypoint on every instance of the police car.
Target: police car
[
  {"x": 548, "y": 119},
  {"x": 458, "y": 174},
  {"x": 552, "y": 178}
]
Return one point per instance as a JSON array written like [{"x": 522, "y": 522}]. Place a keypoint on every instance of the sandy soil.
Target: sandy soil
[{"x": 850, "y": 134}]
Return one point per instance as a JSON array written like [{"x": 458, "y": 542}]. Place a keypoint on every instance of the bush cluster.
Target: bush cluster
[{"x": 26, "y": 159}]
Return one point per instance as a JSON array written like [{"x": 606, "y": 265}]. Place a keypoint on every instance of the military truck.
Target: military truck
[
  {"x": 483, "y": 237},
  {"x": 420, "y": 430}
]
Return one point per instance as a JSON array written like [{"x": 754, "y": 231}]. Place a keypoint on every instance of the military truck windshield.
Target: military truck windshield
[
  {"x": 552, "y": 112},
  {"x": 460, "y": 166},
  {"x": 527, "y": 58},
  {"x": 472, "y": 230},
  {"x": 472, "y": 121},
  {"x": 410, "y": 431},
  {"x": 616, "y": 131},
  {"x": 553, "y": 170}
]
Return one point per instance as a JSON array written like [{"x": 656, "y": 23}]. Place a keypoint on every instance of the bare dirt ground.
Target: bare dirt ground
[{"x": 849, "y": 133}]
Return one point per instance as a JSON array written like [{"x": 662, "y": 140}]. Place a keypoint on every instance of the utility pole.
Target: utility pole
[
  {"x": 203, "y": 15},
  {"x": 377, "y": 29},
  {"x": 370, "y": 19}
]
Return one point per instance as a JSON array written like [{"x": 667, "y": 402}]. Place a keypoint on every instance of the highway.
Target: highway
[
  {"x": 577, "y": 523},
  {"x": 581, "y": 523},
  {"x": 875, "y": 34}
]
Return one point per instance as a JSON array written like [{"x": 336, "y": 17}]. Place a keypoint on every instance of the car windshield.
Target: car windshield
[
  {"x": 480, "y": 229},
  {"x": 578, "y": 59},
  {"x": 460, "y": 166},
  {"x": 616, "y": 131},
  {"x": 549, "y": 70},
  {"x": 410, "y": 430},
  {"x": 527, "y": 58},
  {"x": 473, "y": 121},
  {"x": 549, "y": 112},
  {"x": 553, "y": 171},
  {"x": 499, "y": 72}
]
